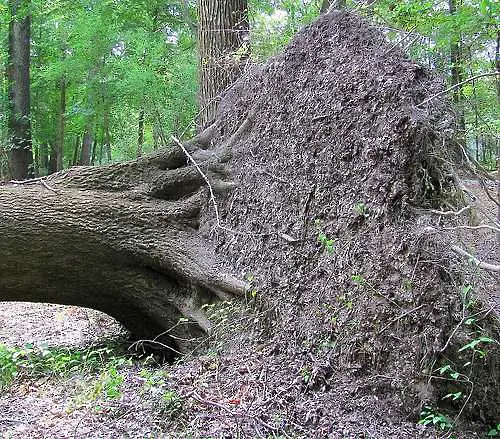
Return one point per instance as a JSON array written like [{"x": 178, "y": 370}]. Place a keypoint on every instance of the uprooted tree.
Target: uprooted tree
[
  {"x": 327, "y": 179},
  {"x": 121, "y": 239}
]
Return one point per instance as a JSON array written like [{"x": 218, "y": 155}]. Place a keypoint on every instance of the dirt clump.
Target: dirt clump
[{"x": 357, "y": 307}]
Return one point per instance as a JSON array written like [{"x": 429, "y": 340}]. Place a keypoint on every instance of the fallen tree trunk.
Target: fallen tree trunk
[{"x": 121, "y": 239}]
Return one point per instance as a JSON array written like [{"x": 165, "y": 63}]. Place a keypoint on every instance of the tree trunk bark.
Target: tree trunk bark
[
  {"x": 86, "y": 152},
  {"x": 222, "y": 38},
  {"x": 94, "y": 150},
  {"x": 44, "y": 158},
  {"x": 107, "y": 136},
  {"x": 18, "y": 74},
  {"x": 36, "y": 161},
  {"x": 456, "y": 63},
  {"x": 497, "y": 68},
  {"x": 61, "y": 122},
  {"x": 140, "y": 139},
  {"x": 156, "y": 135},
  {"x": 76, "y": 150},
  {"x": 497, "y": 65},
  {"x": 112, "y": 249},
  {"x": 52, "y": 167}
]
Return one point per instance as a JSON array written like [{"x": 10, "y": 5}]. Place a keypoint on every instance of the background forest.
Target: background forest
[{"x": 108, "y": 77}]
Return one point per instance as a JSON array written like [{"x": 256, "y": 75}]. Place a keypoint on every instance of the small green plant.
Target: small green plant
[
  {"x": 466, "y": 294},
  {"x": 447, "y": 370},
  {"x": 109, "y": 381},
  {"x": 408, "y": 285},
  {"x": 252, "y": 291},
  {"x": 327, "y": 243},
  {"x": 358, "y": 279},
  {"x": 345, "y": 300},
  {"x": 171, "y": 403},
  {"x": 361, "y": 210},
  {"x": 8, "y": 366},
  {"x": 453, "y": 396},
  {"x": 153, "y": 381},
  {"x": 477, "y": 342},
  {"x": 495, "y": 431},
  {"x": 429, "y": 416},
  {"x": 305, "y": 373},
  {"x": 220, "y": 313},
  {"x": 460, "y": 373}
]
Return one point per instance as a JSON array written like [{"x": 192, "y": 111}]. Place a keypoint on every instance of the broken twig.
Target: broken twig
[{"x": 473, "y": 259}]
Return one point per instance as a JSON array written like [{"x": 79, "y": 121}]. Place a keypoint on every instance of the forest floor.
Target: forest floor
[
  {"x": 118, "y": 397},
  {"x": 77, "y": 401}
]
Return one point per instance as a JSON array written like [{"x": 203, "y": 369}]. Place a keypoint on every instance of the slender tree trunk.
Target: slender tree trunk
[
  {"x": 101, "y": 145},
  {"x": 107, "y": 136},
  {"x": 44, "y": 157},
  {"x": 18, "y": 74},
  {"x": 140, "y": 140},
  {"x": 223, "y": 49},
  {"x": 86, "y": 152},
  {"x": 476, "y": 111},
  {"x": 4, "y": 165},
  {"x": 94, "y": 150},
  {"x": 156, "y": 136},
  {"x": 456, "y": 63},
  {"x": 497, "y": 68},
  {"x": 497, "y": 65},
  {"x": 61, "y": 122},
  {"x": 36, "y": 162},
  {"x": 76, "y": 151},
  {"x": 52, "y": 159}
]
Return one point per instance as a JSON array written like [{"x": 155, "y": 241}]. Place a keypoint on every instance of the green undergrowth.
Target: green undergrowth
[
  {"x": 464, "y": 368},
  {"x": 32, "y": 361}
]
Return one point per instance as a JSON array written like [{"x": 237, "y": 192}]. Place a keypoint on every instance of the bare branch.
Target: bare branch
[
  {"x": 479, "y": 227},
  {"x": 212, "y": 196},
  {"x": 400, "y": 317},
  {"x": 451, "y": 212},
  {"x": 480, "y": 264},
  {"x": 472, "y": 78}
]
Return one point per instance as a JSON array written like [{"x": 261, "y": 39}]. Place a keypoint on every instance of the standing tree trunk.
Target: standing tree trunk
[
  {"x": 18, "y": 75},
  {"x": 140, "y": 139},
  {"x": 497, "y": 69},
  {"x": 61, "y": 122},
  {"x": 222, "y": 37},
  {"x": 497, "y": 65},
  {"x": 456, "y": 72},
  {"x": 107, "y": 136},
  {"x": 156, "y": 135},
  {"x": 44, "y": 158},
  {"x": 94, "y": 149},
  {"x": 76, "y": 150},
  {"x": 52, "y": 164},
  {"x": 86, "y": 152}
]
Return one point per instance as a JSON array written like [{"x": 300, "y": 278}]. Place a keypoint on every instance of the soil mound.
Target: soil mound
[{"x": 357, "y": 308}]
